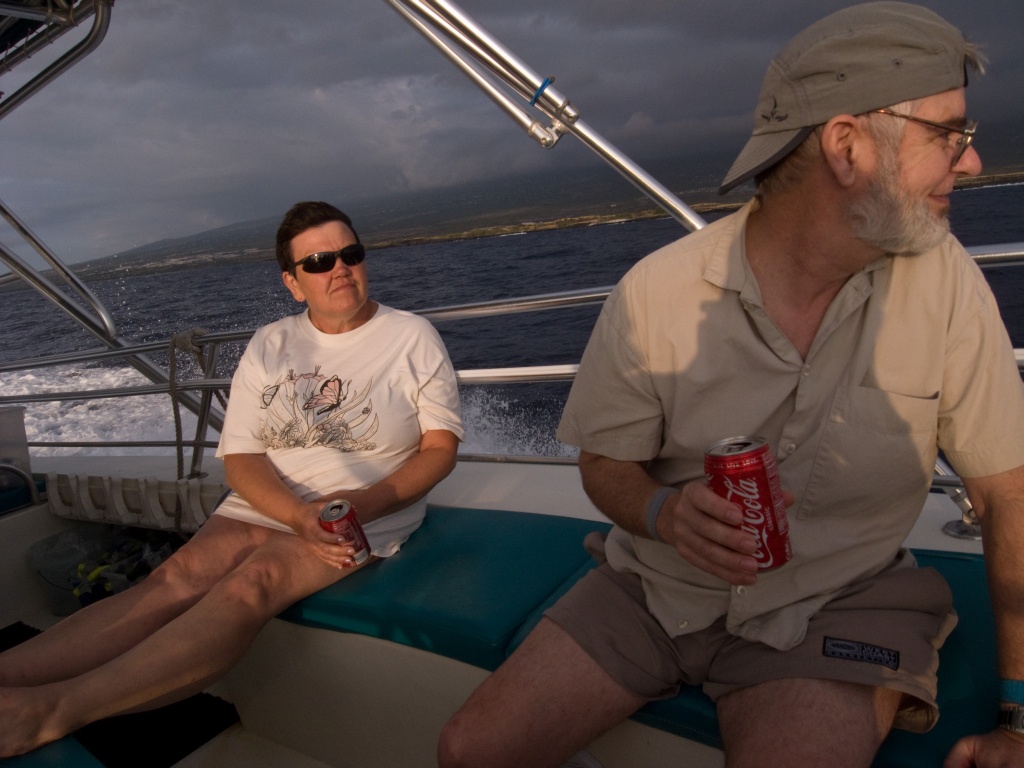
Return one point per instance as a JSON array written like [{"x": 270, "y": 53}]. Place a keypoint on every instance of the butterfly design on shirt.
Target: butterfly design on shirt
[
  {"x": 310, "y": 409},
  {"x": 331, "y": 395},
  {"x": 269, "y": 393}
]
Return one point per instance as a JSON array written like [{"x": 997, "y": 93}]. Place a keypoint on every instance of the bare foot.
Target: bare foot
[{"x": 29, "y": 718}]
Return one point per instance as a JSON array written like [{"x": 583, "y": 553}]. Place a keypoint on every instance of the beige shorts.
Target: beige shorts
[{"x": 851, "y": 639}]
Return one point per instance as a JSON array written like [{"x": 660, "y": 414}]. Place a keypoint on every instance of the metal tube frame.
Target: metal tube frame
[
  {"x": 495, "y": 70},
  {"x": 493, "y": 67},
  {"x": 102, "y": 324},
  {"x": 55, "y": 25}
]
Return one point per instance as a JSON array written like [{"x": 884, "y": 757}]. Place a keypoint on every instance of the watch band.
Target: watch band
[
  {"x": 1011, "y": 691},
  {"x": 654, "y": 508},
  {"x": 1011, "y": 718}
]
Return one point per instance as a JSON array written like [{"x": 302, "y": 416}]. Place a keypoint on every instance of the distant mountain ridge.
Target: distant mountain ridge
[
  {"x": 412, "y": 216},
  {"x": 538, "y": 201}
]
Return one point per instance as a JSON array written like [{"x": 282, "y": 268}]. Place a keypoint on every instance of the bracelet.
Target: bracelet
[
  {"x": 654, "y": 509},
  {"x": 1011, "y": 718},
  {"x": 1011, "y": 691}
]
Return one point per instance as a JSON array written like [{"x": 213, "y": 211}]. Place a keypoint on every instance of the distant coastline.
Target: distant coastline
[
  {"x": 588, "y": 220},
  {"x": 190, "y": 252},
  {"x": 991, "y": 180},
  {"x": 561, "y": 222}
]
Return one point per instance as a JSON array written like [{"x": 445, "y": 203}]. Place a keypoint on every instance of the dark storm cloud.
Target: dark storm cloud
[{"x": 193, "y": 115}]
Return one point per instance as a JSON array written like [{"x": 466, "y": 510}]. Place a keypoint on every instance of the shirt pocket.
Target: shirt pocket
[{"x": 876, "y": 445}]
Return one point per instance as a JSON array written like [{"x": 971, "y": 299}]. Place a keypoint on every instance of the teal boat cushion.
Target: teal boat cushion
[
  {"x": 19, "y": 495},
  {"x": 461, "y": 587},
  {"x": 471, "y": 584},
  {"x": 66, "y": 753},
  {"x": 968, "y": 694},
  {"x": 690, "y": 714},
  {"x": 968, "y": 683}
]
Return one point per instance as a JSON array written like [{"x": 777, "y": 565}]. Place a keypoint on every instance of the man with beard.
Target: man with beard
[{"x": 835, "y": 316}]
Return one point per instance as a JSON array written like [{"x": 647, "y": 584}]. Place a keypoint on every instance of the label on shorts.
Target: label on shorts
[{"x": 851, "y": 650}]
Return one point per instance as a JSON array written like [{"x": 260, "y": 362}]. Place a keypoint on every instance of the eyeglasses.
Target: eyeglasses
[
  {"x": 350, "y": 256},
  {"x": 958, "y": 138}
]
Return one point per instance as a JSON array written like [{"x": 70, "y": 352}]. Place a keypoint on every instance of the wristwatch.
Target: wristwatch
[{"x": 1011, "y": 717}]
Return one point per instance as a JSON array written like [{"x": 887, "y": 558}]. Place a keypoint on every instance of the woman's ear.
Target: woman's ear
[
  {"x": 847, "y": 147},
  {"x": 293, "y": 286}
]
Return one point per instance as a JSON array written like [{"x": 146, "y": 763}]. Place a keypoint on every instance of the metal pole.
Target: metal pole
[
  {"x": 102, "y": 323},
  {"x": 101, "y": 23},
  {"x": 472, "y": 49}
]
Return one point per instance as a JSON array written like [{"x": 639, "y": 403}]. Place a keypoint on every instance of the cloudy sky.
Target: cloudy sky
[{"x": 194, "y": 114}]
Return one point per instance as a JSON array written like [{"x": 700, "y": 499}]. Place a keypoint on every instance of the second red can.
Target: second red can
[
  {"x": 340, "y": 517},
  {"x": 743, "y": 470}
]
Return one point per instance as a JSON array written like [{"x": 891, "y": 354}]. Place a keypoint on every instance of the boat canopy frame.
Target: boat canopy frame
[
  {"x": 499, "y": 73},
  {"x": 28, "y": 25},
  {"x": 26, "y": 28}
]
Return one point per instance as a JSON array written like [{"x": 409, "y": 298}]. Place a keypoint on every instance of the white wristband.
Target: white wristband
[{"x": 654, "y": 508}]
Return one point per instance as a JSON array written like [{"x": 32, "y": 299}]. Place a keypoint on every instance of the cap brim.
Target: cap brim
[{"x": 761, "y": 152}]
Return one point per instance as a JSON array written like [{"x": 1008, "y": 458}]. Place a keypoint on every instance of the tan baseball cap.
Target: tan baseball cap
[{"x": 858, "y": 59}]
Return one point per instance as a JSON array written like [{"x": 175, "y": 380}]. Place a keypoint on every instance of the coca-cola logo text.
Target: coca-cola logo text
[{"x": 754, "y": 516}]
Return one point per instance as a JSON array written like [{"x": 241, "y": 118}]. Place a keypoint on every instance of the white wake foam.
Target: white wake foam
[
  {"x": 494, "y": 424},
  {"x": 146, "y": 417}
]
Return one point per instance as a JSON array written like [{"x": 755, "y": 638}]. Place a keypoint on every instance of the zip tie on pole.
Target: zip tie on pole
[{"x": 543, "y": 87}]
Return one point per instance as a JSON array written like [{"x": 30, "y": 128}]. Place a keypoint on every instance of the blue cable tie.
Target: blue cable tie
[{"x": 543, "y": 87}]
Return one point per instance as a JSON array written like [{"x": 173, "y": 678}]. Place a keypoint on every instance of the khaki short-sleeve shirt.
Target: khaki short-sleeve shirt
[{"x": 911, "y": 357}]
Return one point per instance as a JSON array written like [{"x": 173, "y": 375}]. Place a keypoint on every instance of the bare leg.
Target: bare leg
[
  {"x": 179, "y": 659},
  {"x": 811, "y": 723},
  {"x": 106, "y": 629},
  {"x": 544, "y": 704}
]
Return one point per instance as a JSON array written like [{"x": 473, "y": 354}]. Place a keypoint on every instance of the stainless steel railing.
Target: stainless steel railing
[
  {"x": 509, "y": 82},
  {"x": 944, "y": 479},
  {"x": 986, "y": 256},
  {"x": 503, "y": 78},
  {"x": 1005, "y": 255},
  {"x": 996, "y": 256},
  {"x": 53, "y": 23}
]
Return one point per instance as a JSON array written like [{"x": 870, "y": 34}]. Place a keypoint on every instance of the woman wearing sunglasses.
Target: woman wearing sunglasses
[{"x": 348, "y": 399}]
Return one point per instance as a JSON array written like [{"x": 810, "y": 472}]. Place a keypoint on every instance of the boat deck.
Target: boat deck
[{"x": 461, "y": 596}]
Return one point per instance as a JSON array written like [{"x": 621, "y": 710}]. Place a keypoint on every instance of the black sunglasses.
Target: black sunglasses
[{"x": 350, "y": 256}]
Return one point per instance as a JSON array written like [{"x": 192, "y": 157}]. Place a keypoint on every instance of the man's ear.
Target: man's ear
[{"x": 847, "y": 148}]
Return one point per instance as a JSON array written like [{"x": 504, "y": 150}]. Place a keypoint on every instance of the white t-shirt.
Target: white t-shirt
[{"x": 340, "y": 411}]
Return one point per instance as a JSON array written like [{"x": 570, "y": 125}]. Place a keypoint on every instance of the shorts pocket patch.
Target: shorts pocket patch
[{"x": 852, "y": 650}]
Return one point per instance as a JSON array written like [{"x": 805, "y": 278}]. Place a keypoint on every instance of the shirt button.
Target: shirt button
[
  {"x": 683, "y": 624},
  {"x": 790, "y": 448},
  {"x": 807, "y": 370},
  {"x": 741, "y": 590}
]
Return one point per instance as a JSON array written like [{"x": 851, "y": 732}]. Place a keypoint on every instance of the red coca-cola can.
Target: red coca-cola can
[
  {"x": 743, "y": 470},
  {"x": 340, "y": 517}
]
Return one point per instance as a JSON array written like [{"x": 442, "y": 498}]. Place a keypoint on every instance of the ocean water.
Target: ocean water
[{"x": 518, "y": 419}]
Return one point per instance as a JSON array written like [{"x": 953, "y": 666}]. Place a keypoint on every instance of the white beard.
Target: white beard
[{"x": 889, "y": 219}]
